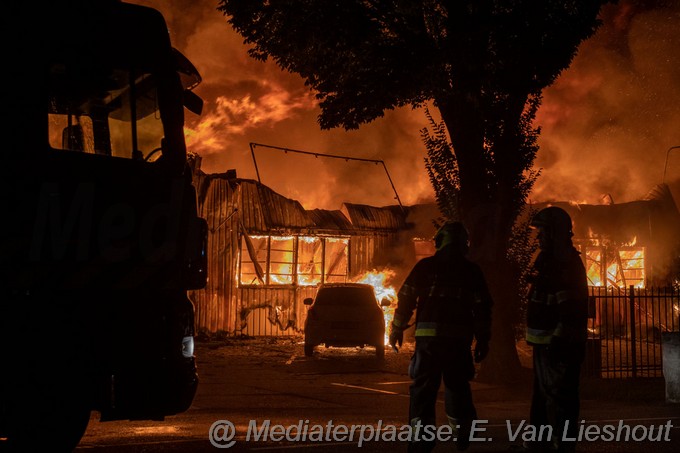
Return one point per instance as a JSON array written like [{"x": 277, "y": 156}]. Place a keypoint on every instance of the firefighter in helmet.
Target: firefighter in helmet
[
  {"x": 453, "y": 306},
  {"x": 557, "y": 314}
]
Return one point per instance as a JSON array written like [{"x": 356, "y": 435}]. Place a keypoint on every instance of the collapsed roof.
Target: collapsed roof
[
  {"x": 262, "y": 210},
  {"x": 654, "y": 218}
]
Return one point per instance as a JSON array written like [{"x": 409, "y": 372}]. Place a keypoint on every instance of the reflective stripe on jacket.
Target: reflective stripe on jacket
[{"x": 440, "y": 329}]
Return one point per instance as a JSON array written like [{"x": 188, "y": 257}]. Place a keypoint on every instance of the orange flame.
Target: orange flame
[
  {"x": 379, "y": 279},
  {"x": 616, "y": 266},
  {"x": 228, "y": 118}
]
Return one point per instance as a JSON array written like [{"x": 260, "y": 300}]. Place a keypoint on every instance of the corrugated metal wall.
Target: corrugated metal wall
[
  {"x": 223, "y": 306},
  {"x": 361, "y": 251},
  {"x": 215, "y": 305},
  {"x": 377, "y": 251},
  {"x": 273, "y": 311},
  {"x": 262, "y": 209}
]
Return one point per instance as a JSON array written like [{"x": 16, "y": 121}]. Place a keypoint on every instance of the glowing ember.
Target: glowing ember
[{"x": 379, "y": 279}]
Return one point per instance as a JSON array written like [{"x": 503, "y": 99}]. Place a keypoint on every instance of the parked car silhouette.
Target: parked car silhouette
[{"x": 345, "y": 314}]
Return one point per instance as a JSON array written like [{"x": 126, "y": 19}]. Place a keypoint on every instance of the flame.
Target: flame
[
  {"x": 232, "y": 117},
  {"x": 379, "y": 281},
  {"x": 282, "y": 277},
  {"x": 623, "y": 266},
  {"x": 309, "y": 261},
  {"x": 308, "y": 280},
  {"x": 593, "y": 265},
  {"x": 281, "y": 258},
  {"x": 634, "y": 264}
]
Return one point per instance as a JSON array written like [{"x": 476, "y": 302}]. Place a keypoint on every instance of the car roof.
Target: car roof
[
  {"x": 346, "y": 285},
  {"x": 338, "y": 293}
]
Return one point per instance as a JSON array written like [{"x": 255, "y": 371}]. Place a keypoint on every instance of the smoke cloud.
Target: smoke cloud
[
  {"x": 606, "y": 123},
  {"x": 609, "y": 120}
]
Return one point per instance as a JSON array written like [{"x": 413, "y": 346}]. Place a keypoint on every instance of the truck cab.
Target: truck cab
[{"x": 100, "y": 239}]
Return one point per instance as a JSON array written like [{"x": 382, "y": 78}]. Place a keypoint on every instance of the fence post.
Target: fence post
[{"x": 633, "y": 354}]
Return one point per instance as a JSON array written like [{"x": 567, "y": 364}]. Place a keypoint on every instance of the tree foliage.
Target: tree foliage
[
  {"x": 442, "y": 169},
  {"x": 365, "y": 56},
  {"x": 482, "y": 63}
]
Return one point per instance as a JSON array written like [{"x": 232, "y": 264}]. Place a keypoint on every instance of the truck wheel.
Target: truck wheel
[
  {"x": 60, "y": 432},
  {"x": 309, "y": 349},
  {"x": 45, "y": 422},
  {"x": 380, "y": 351},
  {"x": 72, "y": 428}
]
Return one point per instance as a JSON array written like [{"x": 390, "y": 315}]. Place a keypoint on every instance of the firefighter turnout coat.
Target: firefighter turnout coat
[
  {"x": 451, "y": 297},
  {"x": 558, "y": 299}
]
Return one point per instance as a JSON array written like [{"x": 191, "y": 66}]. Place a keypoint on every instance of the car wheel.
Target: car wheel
[
  {"x": 380, "y": 351},
  {"x": 309, "y": 349}
]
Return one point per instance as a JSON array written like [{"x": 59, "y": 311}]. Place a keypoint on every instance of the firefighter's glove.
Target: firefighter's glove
[
  {"x": 481, "y": 350},
  {"x": 396, "y": 337}
]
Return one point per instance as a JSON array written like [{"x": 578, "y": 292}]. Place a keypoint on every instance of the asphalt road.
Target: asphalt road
[{"x": 247, "y": 383}]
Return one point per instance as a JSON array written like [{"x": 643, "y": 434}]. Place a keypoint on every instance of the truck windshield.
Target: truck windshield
[{"x": 103, "y": 110}]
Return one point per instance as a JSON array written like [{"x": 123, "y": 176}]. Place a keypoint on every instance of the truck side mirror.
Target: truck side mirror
[
  {"x": 308, "y": 301},
  {"x": 193, "y": 102}
]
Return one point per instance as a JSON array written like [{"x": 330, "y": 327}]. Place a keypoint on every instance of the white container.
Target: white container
[{"x": 670, "y": 349}]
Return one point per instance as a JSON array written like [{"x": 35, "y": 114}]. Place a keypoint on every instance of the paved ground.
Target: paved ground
[{"x": 270, "y": 379}]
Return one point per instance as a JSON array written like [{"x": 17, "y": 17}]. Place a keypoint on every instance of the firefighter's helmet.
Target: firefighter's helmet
[
  {"x": 452, "y": 233},
  {"x": 555, "y": 220}
]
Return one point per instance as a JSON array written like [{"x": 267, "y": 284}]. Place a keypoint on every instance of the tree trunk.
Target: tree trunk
[
  {"x": 489, "y": 221},
  {"x": 502, "y": 365}
]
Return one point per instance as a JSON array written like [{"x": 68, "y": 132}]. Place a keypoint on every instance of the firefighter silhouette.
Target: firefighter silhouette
[
  {"x": 557, "y": 314},
  {"x": 453, "y": 307}
]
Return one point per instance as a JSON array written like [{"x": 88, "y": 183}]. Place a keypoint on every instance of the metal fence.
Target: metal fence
[{"x": 625, "y": 328}]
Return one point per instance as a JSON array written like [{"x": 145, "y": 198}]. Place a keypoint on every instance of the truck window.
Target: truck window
[{"x": 113, "y": 112}]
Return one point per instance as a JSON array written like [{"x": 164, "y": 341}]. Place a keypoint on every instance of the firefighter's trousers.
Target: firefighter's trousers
[
  {"x": 436, "y": 358},
  {"x": 555, "y": 399}
]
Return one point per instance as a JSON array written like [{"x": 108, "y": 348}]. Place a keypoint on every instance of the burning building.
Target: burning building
[
  {"x": 632, "y": 256},
  {"x": 267, "y": 254},
  {"x": 628, "y": 244}
]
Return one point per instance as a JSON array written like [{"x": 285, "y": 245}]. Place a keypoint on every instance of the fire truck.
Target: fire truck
[{"x": 100, "y": 240}]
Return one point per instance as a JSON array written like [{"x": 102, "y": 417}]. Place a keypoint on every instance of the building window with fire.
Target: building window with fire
[
  {"x": 310, "y": 261},
  {"x": 612, "y": 266},
  {"x": 252, "y": 266},
  {"x": 281, "y": 260},
  {"x": 335, "y": 260},
  {"x": 288, "y": 260}
]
